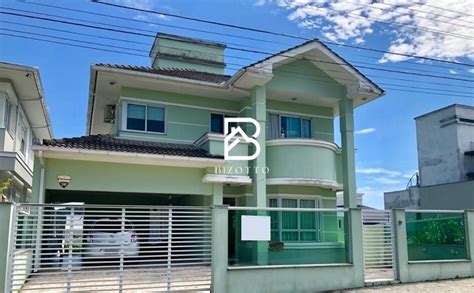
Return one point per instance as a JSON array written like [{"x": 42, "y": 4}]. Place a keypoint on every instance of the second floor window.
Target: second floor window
[
  {"x": 145, "y": 118},
  {"x": 217, "y": 123},
  {"x": 282, "y": 126},
  {"x": 22, "y": 135}
]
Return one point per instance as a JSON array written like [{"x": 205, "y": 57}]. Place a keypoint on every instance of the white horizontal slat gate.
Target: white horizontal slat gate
[
  {"x": 378, "y": 237},
  {"x": 87, "y": 248}
]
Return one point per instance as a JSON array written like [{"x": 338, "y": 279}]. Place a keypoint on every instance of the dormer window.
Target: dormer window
[{"x": 146, "y": 118}]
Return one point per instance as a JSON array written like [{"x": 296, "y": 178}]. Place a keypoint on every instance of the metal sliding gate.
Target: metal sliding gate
[
  {"x": 86, "y": 248},
  {"x": 378, "y": 236}
]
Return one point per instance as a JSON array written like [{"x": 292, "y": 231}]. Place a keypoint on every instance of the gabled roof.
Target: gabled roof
[
  {"x": 338, "y": 61},
  {"x": 174, "y": 72},
  {"x": 110, "y": 143}
]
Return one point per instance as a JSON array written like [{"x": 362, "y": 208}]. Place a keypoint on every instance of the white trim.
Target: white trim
[
  {"x": 218, "y": 178},
  {"x": 299, "y": 196},
  {"x": 304, "y": 141},
  {"x": 127, "y": 158},
  {"x": 188, "y": 124},
  {"x": 178, "y": 105},
  {"x": 231, "y": 195},
  {"x": 209, "y": 136},
  {"x": 238, "y": 268},
  {"x": 324, "y": 183}
]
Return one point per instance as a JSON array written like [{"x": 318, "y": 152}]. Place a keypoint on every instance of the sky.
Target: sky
[{"x": 385, "y": 134}]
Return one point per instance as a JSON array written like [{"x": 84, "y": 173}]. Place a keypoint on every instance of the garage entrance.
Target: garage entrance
[{"x": 78, "y": 247}]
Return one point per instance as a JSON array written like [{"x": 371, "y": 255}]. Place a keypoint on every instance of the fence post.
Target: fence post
[
  {"x": 122, "y": 239},
  {"x": 7, "y": 218},
  {"x": 469, "y": 216},
  {"x": 401, "y": 248},
  {"x": 169, "y": 249},
  {"x": 356, "y": 243},
  {"x": 219, "y": 253}
]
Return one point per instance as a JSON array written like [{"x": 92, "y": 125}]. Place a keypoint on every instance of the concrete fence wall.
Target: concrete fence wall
[
  {"x": 284, "y": 278},
  {"x": 418, "y": 271}
]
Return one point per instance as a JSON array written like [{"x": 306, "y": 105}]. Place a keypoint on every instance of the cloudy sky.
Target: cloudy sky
[{"x": 385, "y": 137}]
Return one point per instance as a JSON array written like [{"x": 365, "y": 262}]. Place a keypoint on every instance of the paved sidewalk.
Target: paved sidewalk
[{"x": 460, "y": 285}]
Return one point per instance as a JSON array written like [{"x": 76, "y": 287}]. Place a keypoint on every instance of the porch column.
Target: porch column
[
  {"x": 259, "y": 181},
  {"x": 401, "y": 249},
  {"x": 219, "y": 250},
  {"x": 217, "y": 193},
  {"x": 348, "y": 149}
]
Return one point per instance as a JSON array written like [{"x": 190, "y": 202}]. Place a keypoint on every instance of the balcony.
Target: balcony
[
  {"x": 233, "y": 172},
  {"x": 305, "y": 162}
]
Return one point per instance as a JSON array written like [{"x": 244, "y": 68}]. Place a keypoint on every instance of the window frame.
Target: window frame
[
  {"x": 318, "y": 220},
  {"x": 301, "y": 118},
  {"x": 22, "y": 121},
  {"x": 146, "y": 105},
  {"x": 224, "y": 115}
]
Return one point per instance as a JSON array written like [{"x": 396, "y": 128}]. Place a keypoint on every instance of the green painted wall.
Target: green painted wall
[
  {"x": 190, "y": 50},
  {"x": 187, "y": 119},
  {"x": 170, "y": 63},
  {"x": 301, "y": 161},
  {"x": 303, "y": 77},
  {"x": 115, "y": 177}
]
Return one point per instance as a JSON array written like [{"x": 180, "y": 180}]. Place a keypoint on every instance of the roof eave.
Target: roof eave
[{"x": 126, "y": 157}]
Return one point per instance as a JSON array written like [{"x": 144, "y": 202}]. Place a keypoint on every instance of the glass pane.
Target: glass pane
[
  {"x": 295, "y": 129},
  {"x": 155, "y": 119},
  {"x": 273, "y": 203},
  {"x": 294, "y": 248},
  {"x": 308, "y": 236},
  {"x": 273, "y": 126},
  {"x": 306, "y": 128},
  {"x": 217, "y": 123},
  {"x": 290, "y": 127},
  {"x": 136, "y": 117},
  {"x": 436, "y": 236},
  {"x": 289, "y": 220},
  {"x": 307, "y": 219}
]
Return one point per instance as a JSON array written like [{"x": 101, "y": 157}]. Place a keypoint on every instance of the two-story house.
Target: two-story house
[
  {"x": 23, "y": 119},
  {"x": 154, "y": 135}
]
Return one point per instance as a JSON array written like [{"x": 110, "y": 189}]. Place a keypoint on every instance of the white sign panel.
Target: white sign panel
[{"x": 255, "y": 228}]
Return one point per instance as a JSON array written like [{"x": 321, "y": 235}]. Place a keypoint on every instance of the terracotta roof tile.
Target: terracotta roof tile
[
  {"x": 110, "y": 143},
  {"x": 174, "y": 72}
]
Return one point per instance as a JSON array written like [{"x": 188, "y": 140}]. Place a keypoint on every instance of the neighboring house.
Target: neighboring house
[
  {"x": 154, "y": 135},
  {"x": 445, "y": 139},
  {"x": 23, "y": 119}
]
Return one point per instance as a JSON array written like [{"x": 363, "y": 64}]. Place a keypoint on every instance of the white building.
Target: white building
[
  {"x": 445, "y": 139},
  {"x": 23, "y": 118}
]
